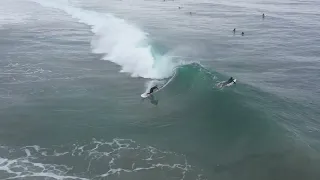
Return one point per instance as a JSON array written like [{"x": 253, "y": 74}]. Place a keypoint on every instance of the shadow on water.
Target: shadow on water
[{"x": 152, "y": 100}]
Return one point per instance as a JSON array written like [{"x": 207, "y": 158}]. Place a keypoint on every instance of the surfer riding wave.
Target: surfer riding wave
[
  {"x": 229, "y": 82},
  {"x": 152, "y": 89}
]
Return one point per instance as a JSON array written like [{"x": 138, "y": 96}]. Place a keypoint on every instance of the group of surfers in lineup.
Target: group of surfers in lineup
[{"x": 234, "y": 30}]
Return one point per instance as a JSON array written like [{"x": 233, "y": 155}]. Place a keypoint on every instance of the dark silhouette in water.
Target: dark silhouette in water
[
  {"x": 263, "y": 16},
  {"x": 242, "y": 33},
  {"x": 151, "y": 96},
  {"x": 153, "y": 100},
  {"x": 234, "y": 30}
]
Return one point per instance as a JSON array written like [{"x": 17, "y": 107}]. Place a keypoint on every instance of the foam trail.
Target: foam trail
[
  {"x": 122, "y": 43},
  {"x": 98, "y": 159}
]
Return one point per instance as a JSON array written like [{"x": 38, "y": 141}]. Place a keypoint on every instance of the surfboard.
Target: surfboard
[
  {"x": 144, "y": 95},
  {"x": 233, "y": 82}
]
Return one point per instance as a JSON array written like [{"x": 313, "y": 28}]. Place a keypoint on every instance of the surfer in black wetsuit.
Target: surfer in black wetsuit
[
  {"x": 152, "y": 89},
  {"x": 230, "y": 80}
]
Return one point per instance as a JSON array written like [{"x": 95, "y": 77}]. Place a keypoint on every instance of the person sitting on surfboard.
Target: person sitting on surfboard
[
  {"x": 152, "y": 89},
  {"x": 230, "y": 80}
]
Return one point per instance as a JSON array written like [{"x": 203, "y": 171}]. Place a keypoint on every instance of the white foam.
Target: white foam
[
  {"x": 121, "y": 42},
  {"x": 12, "y": 12},
  {"x": 27, "y": 152},
  {"x": 39, "y": 161},
  {"x": 35, "y": 147}
]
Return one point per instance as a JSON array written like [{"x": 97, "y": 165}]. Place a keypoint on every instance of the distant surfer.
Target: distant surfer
[
  {"x": 242, "y": 33},
  {"x": 152, "y": 89},
  {"x": 229, "y": 82},
  {"x": 263, "y": 16},
  {"x": 234, "y": 30}
]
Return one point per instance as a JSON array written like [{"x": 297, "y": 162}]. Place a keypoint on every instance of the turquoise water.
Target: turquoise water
[{"x": 72, "y": 73}]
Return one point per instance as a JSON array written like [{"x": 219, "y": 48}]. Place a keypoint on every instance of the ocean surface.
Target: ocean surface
[{"x": 72, "y": 72}]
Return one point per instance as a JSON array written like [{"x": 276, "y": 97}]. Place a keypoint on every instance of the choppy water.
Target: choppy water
[{"x": 71, "y": 75}]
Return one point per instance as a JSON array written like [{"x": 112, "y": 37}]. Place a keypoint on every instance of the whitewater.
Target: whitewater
[
  {"x": 120, "y": 42},
  {"x": 72, "y": 72}
]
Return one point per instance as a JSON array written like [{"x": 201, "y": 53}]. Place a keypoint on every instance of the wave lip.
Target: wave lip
[{"x": 121, "y": 43}]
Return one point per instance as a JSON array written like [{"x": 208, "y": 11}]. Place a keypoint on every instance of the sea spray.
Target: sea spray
[{"x": 120, "y": 42}]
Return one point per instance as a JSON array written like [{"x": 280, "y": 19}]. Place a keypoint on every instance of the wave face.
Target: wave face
[
  {"x": 120, "y": 42},
  {"x": 238, "y": 122},
  {"x": 232, "y": 111}
]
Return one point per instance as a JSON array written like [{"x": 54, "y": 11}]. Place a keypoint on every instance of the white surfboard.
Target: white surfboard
[
  {"x": 233, "y": 82},
  {"x": 144, "y": 95}
]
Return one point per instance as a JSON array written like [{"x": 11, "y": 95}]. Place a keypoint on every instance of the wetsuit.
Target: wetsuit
[
  {"x": 152, "y": 89},
  {"x": 230, "y": 80}
]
